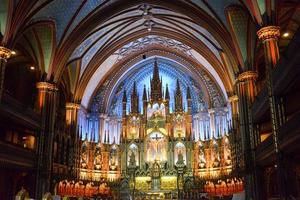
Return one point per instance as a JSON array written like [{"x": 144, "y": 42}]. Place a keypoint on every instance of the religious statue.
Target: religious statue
[
  {"x": 84, "y": 157},
  {"x": 113, "y": 159},
  {"x": 98, "y": 162},
  {"x": 180, "y": 161},
  {"x": 202, "y": 161},
  {"x": 132, "y": 161}
]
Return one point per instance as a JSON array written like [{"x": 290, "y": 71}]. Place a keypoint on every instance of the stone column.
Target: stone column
[
  {"x": 246, "y": 92},
  {"x": 211, "y": 112},
  {"x": 71, "y": 121},
  {"x": 235, "y": 134},
  {"x": 46, "y": 105},
  {"x": 102, "y": 126},
  {"x": 5, "y": 54},
  {"x": 269, "y": 36},
  {"x": 233, "y": 100}
]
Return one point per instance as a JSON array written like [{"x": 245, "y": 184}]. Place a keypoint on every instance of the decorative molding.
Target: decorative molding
[
  {"x": 211, "y": 110},
  {"x": 233, "y": 98},
  {"x": 268, "y": 33},
  {"x": 46, "y": 86},
  {"x": 247, "y": 75},
  {"x": 72, "y": 106},
  {"x": 5, "y": 53}
]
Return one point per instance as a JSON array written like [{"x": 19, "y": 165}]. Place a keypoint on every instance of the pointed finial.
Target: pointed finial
[
  {"x": 134, "y": 92},
  {"x": 94, "y": 134},
  {"x": 155, "y": 70},
  {"x": 144, "y": 94},
  {"x": 86, "y": 136},
  {"x": 108, "y": 137},
  {"x": 80, "y": 132},
  {"x": 177, "y": 84},
  {"x": 124, "y": 96},
  {"x": 167, "y": 95},
  {"x": 188, "y": 93}
]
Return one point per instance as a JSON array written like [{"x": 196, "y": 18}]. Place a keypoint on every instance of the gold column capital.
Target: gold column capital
[
  {"x": 211, "y": 110},
  {"x": 268, "y": 33},
  {"x": 46, "y": 86},
  {"x": 247, "y": 75},
  {"x": 233, "y": 98},
  {"x": 6, "y": 53},
  {"x": 71, "y": 105}
]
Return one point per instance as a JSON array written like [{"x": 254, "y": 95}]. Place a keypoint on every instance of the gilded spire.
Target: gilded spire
[
  {"x": 167, "y": 95},
  {"x": 188, "y": 93},
  {"x": 178, "y": 98},
  {"x": 178, "y": 90},
  {"x": 134, "y": 100},
  {"x": 155, "y": 70},
  {"x": 144, "y": 94},
  {"x": 156, "y": 84}
]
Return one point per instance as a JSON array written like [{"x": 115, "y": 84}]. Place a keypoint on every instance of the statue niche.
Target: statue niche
[
  {"x": 97, "y": 158},
  {"x": 113, "y": 158},
  {"x": 133, "y": 156},
  {"x": 180, "y": 153},
  {"x": 84, "y": 156}
]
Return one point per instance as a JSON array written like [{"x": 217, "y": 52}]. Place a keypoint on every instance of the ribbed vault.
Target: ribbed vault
[{"x": 131, "y": 55}]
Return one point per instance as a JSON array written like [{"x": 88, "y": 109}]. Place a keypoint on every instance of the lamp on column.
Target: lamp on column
[{"x": 5, "y": 54}]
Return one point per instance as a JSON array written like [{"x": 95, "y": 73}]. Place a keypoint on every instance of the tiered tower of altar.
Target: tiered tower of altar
[{"x": 157, "y": 144}]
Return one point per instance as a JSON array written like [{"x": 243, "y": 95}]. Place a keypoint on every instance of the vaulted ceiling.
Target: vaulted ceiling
[{"x": 87, "y": 41}]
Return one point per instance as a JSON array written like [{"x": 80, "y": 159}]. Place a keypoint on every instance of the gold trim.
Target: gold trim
[
  {"x": 247, "y": 75},
  {"x": 233, "y": 98},
  {"x": 46, "y": 85},
  {"x": 5, "y": 53},
  {"x": 211, "y": 110},
  {"x": 268, "y": 33},
  {"x": 71, "y": 105}
]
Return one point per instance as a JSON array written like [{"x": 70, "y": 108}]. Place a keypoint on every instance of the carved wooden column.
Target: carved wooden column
[
  {"x": 245, "y": 86},
  {"x": 269, "y": 36},
  {"x": 233, "y": 100},
  {"x": 5, "y": 54},
  {"x": 235, "y": 136},
  {"x": 46, "y": 105},
  {"x": 71, "y": 121}
]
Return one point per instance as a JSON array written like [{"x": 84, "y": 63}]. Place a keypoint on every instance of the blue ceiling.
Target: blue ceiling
[{"x": 141, "y": 74}]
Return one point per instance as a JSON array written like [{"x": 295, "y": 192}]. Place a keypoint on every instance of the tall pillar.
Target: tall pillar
[
  {"x": 269, "y": 36},
  {"x": 233, "y": 100},
  {"x": 46, "y": 105},
  {"x": 212, "y": 121},
  {"x": 235, "y": 134},
  {"x": 5, "y": 54},
  {"x": 246, "y": 92},
  {"x": 71, "y": 121},
  {"x": 102, "y": 126}
]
